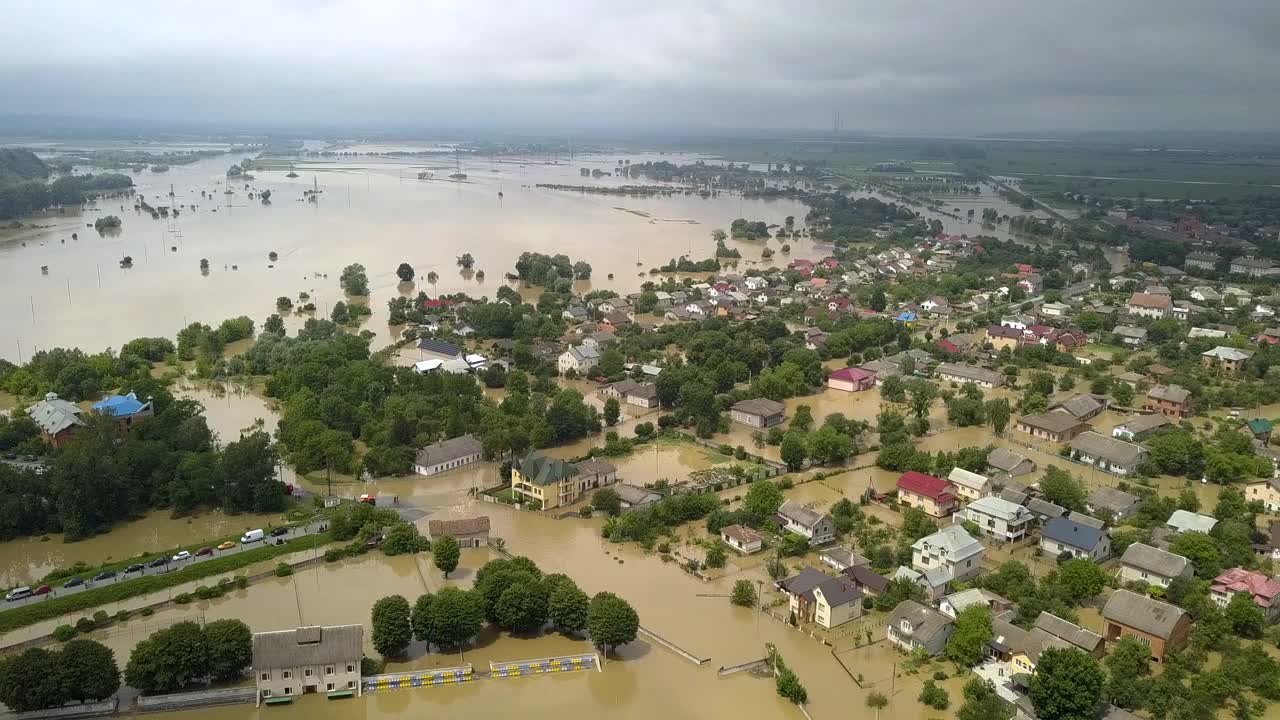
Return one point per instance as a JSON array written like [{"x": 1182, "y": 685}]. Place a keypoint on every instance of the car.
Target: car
[
  {"x": 104, "y": 575},
  {"x": 18, "y": 593},
  {"x": 279, "y": 531},
  {"x": 281, "y": 541},
  {"x": 181, "y": 556},
  {"x": 136, "y": 567},
  {"x": 227, "y": 545},
  {"x": 251, "y": 536},
  {"x": 204, "y": 551},
  {"x": 42, "y": 590},
  {"x": 158, "y": 562},
  {"x": 73, "y": 582}
]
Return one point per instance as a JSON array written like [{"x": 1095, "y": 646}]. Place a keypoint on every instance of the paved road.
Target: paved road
[{"x": 59, "y": 591}]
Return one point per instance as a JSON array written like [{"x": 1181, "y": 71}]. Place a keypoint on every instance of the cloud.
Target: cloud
[{"x": 889, "y": 66}]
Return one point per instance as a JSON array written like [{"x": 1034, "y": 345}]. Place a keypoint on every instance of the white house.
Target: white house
[
  {"x": 952, "y": 550},
  {"x": 742, "y": 538},
  {"x": 816, "y": 527},
  {"x": 970, "y": 486},
  {"x": 998, "y": 518},
  {"x": 1151, "y": 565},
  {"x": 579, "y": 358}
]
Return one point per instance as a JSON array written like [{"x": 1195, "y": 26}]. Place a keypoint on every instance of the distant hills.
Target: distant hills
[{"x": 21, "y": 165}]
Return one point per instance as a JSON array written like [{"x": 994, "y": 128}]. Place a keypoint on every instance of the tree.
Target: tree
[
  {"x": 803, "y": 419},
  {"x": 793, "y": 450},
  {"x": 31, "y": 681},
  {"x": 1246, "y": 618},
  {"x": 788, "y": 686},
  {"x": 934, "y": 696},
  {"x": 606, "y": 500},
  {"x": 88, "y": 671},
  {"x": 716, "y": 556},
  {"x": 420, "y": 617},
  {"x": 392, "y": 625},
  {"x": 744, "y": 594},
  {"x": 230, "y": 649},
  {"x": 776, "y": 568},
  {"x": 169, "y": 660},
  {"x": 454, "y": 616},
  {"x": 522, "y": 607},
  {"x": 893, "y": 389},
  {"x": 762, "y": 500},
  {"x": 878, "y": 300},
  {"x": 972, "y": 633},
  {"x": 923, "y": 394},
  {"x": 916, "y": 524},
  {"x": 446, "y": 554},
  {"x": 611, "y": 363},
  {"x": 877, "y": 701},
  {"x": 982, "y": 702},
  {"x": 405, "y": 272},
  {"x": 1062, "y": 488},
  {"x": 829, "y": 445},
  {"x": 581, "y": 270},
  {"x": 612, "y": 411},
  {"x": 1127, "y": 664},
  {"x": 1122, "y": 392},
  {"x": 465, "y": 261},
  {"x": 611, "y": 621},
  {"x": 1067, "y": 685},
  {"x": 1081, "y": 579},
  {"x": 567, "y": 608},
  {"x": 1201, "y": 550},
  {"x": 998, "y": 413},
  {"x": 403, "y": 538},
  {"x": 353, "y": 280}
]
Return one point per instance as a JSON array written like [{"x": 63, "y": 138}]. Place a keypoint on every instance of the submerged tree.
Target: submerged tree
[{"x": 405, "y": 272}]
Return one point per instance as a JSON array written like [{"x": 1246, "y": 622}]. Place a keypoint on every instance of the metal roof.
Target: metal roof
[{"x": 311, "y": 645}]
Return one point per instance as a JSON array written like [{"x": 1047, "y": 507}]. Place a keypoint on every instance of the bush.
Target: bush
[
  {"x": 939, "y": 675},
  {"x": 283, "y": 570},
  {"x": 122, "y": 615},
  {"x": 333, "y": 555},
  {"x": 664, "y": 547},
  {"x": 241, "y": 582},
  {"x": 63, "y": 633},
  {"x": 182, "y": 598},
  {"x": 85, "y": 625},
  {"x": 370, "y": 666},
  {"x": 868, "y": 603},
  {"x": 100, "y": 617},
  {"x": 934, "y": 696},
  {"x": 146, "y": 612}
]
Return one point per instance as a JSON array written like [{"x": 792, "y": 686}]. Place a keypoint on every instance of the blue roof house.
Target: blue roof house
[
  {"x": 1064, "y": 535},
  {"x": 124, "y": 408}
]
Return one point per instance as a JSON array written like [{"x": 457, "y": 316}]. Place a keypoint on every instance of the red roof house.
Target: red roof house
[
  {"x": 932, "y": 495},
  {"x": 851, "y": 379},
  {"x": 1263, "y": 589}
]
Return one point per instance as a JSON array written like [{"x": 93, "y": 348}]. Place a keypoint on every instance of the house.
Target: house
[
  {"x": 1062, "y": 535},
  {"x": 447, "y": 455},
  {"x": 1169, "y": 400},
  {"x": 818, "y": 528},
  {"x": 870, "y": 582},
  {"x": 126, "y": 409},
  {"x": 935, "y": 496},
  {"x": 1081, "y": 407},
  {"x": 1266, "y": 492},
  {"x": 842, "y": 558},
  {"x": 1055, "y": 309},
  {"x": 1043, "y": 510},
  {"x": 851, "y": 379},
  {"x": 1228, "y": 359},
  {"x": 1201, "y": 260},
  {"x": 1058, "y": 427},
  {"x": 575, "y": 313},
  {"x": 56, "y": 418},
  {"x": 758, "y": 412},
  {"x": 951, "y": 549},
  {"x": 1140, "y": 427},
  {"x": 312, "y": 659},
  {"x": 619, "y": 390},
  {"x": 1117, "y": 502},
  {"x": 1251, "y": 266},
  {"x": 1260, "y": 429},
  {"x": 1186, "y": 521},
  {"x": 1130, "y": 335},
  {"x": 998, "y": 518},
  {"x": 952, "y": 604},
  {"x": 1158, "y": 625},
  {"x": 469, "y": 532},
  {"x": 439, "y": 349},
  {"x": 1153, "y": 566},
  {"x": 578, "y": 358},
  {"x": 1148, "y": 305},
  {"x": 1020, "y": 649},
  {"x": 912, "y": 625},
  {"x": 643, "y": 395},
  {"x": 742, "y": 538},
  {"x": 1108, "y": 454},
  {"x": 634, "y": 496},
  {"x": 969, "y": 486},
  {"x": 548, "y": 483},
  {"x": 1087, "y": 641},
  {"x": 1004, "y": 336},
  {"x": 1017, "y": 322},
  {"x": 1010, "y": 463},
  {"x": 960, "y": 374},
  {"x": 1265, "y": 591},
  {"x": 819, "y": 598}
]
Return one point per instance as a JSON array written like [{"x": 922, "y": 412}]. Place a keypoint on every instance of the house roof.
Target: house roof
[
  {"x": 1044, "y": 509},
  {"x": 1238, "y": 580},
  {"x": 53, "y": 414},
  {"x": 742, "y": 534},
  {"x": 802, "y": 515},
  {"x": 1007, "y": 460},
  {"x": 439, "y": 347},
  {"x": 1069, "y": 532},
  {"x": 1129, "y": 331},
  {"x": 1086, "y": 640},
  {"x": 952, "y": 540},
  {"x": 1149, "y": 300},
  {"x": 1223, "y": 352},
  {"x": 1097, "y": 445},
  {"x": 447, "y": 450},
  {"x": 634, "y": 494},
  {"x": 1187, "y": 521},
  {"x": 868, "y": 578},
  {"x": 1113, "y": 499},
  {"x": 852, "y": 374},
  {"x": 545, "y": 470},
  {"x": 1013, "y": 495},
  {"x": 461, "y": 526},
  {"x": 971, "y": 480},
  {"x": 1140, "y": 612},
  {"x": 1155, "y": 560},
  {"x": 1145, "y": 423},
  {"x": 969, "y": 372},
  {"x": 998, "y": 507},
  {"x": 763, "y": 407},
  {"x": 1053, "y": 422},
  {"x": 312, "y": 645},
  {"x": 925, "y": 621},
  {"x": 119, "y": 405},
  {"x": 1079, "y": 405},
  {"x": 1170, "y": 393},
  {"x": 839, "y": 590},
  {"x": 593, "y": 466},
  {"x": 974, "y": 596},
  {"x": 926, "y": 485},
  {"x": 1083, "y": 519},
  {"x": 845, "y": 556},
  {"x": 581, "y": 353},
  {"x": 803, "y": 582}
]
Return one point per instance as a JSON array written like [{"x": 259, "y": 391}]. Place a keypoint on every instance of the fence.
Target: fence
[
  {"x": 106, "y": 707},
  {"x": 199, "y": 698},
  {"x": 543, "y": 666},
  {"x": 673, "y": 647},
  {"x": 419, "y": 678}
]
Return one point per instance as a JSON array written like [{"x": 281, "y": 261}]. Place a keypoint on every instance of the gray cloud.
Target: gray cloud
[{"x": 885, "y": 65}]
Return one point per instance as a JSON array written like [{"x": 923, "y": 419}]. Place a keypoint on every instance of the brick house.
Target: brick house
[
  {"x": 1169, "y": 400},
  {"x": 1158, "y": 625}
]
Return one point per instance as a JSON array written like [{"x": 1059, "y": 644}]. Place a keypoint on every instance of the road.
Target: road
[{"x": 59, "y": 591}]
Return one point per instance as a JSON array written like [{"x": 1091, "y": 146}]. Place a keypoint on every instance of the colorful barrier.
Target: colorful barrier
[
  {"x": 417, "y": 679},
  {"x": 543, "y": 666}
]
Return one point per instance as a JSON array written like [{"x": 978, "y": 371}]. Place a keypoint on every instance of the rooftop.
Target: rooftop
[
  {"x": 312, "y": 645},
  {"x": 763, "y": 407},
  {"x": 1097, "y": 445},
  {"x": 461, "y": 526},
  {"x": 1152, "y": 559},
  {"x": 926, "y": 485},
  {"x": 1140, "y": 612},
  {"x": 448, "y": 450},
  {"x": 1069, "y": 532}
]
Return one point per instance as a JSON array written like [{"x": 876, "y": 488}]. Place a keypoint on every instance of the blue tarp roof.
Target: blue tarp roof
[
  {"x": 118, "y": 405},
  {"x": 907, "y": 316}
]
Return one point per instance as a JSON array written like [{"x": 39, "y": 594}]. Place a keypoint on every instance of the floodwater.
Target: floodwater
[{"x": 372, "y": 211}]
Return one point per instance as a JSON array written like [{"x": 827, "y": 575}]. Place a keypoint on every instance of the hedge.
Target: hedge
[{"x": 49, "y": 609}]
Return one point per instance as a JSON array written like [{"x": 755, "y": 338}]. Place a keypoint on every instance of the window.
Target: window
[
  {"x": 351, "y": 667},
  {"x": 351, "y": 684},
  {"x": 288, "y": 690},
  {"x": 328, "y": 670},
  {"x": 266, "y": 693},
  {"x": 329, "y": 687},
  {"x": 287, "y": 674},
  {"x": 307, "y": 672},
  {"x": 266, "y": 676}
]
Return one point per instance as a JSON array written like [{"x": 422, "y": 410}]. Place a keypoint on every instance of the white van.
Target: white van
[
  {"x": 251, "y": 536},
  {"x": 18, "y": 593}
]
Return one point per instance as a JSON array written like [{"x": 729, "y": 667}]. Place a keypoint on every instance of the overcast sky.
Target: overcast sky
[{"x": 887, "y": 65}]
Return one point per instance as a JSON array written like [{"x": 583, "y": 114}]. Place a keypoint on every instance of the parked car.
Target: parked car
[
  {"x": 181, "y": 556},
  {"x": 252, "y": 536},
  {"x": 281, "y": 541},
  {"x": 73, "y": 582},
  {"x": 104, "y": 575},
  {"x": 204, "y": 551},
  {"x": 18, "y": 593},
  {"x": 42, "y": 590},
  {"x": 280, "y": 531},
  {"x": 136, "y": 567},
  {"x": 158, "y": 562},
  {"x": 227, "y": 545}
]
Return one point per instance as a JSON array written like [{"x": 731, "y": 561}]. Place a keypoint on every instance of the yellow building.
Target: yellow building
[{"x": 547, "y": 483}]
